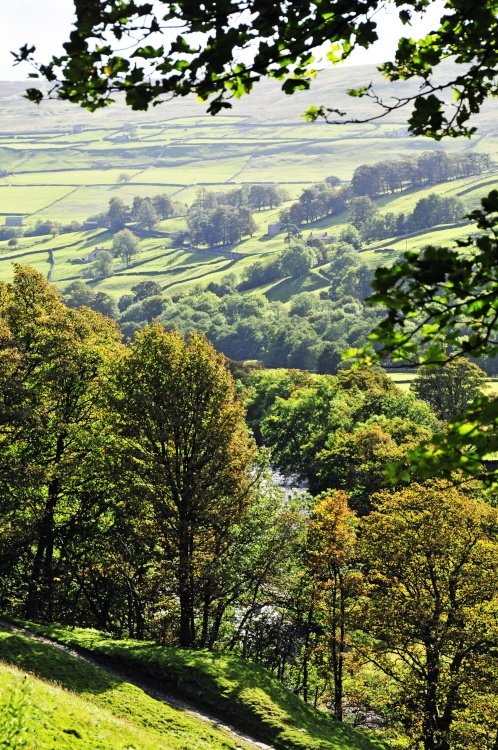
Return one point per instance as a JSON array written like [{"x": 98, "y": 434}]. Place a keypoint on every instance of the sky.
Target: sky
[{"x": 47, "y": 23}]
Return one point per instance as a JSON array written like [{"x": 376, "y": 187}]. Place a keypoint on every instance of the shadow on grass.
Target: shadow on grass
[
  {"x": 49, "y": 663},
  {"x": 221, "y": 685},
  {"x": 240, "y": 692}
]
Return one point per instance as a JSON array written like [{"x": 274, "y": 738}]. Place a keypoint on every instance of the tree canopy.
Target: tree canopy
[
  {"x": 429, "y": 620},
  {"x": 178, "y": 400},
  {"x": 219, "y": 50}
]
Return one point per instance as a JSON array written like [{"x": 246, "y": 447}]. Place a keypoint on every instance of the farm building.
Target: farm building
[
  {"x": 93, "y": 254},
  {"x": 323, "y": 236},
  {"x": 14, "y": 221},
  {"x": 274, "y": 228}
]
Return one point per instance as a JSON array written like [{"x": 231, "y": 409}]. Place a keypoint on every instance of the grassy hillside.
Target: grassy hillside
[
  {"x": 65, "y": 164},
  {"x": 222, "y": 684},
  {"x": 179, "y": 269},
  {"x": 72, "y": 704}
]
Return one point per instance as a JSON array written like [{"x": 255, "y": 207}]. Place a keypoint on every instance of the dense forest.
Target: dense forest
[
  {"x": 309, "y": 335},
  {"x": 137, "y": 498}
]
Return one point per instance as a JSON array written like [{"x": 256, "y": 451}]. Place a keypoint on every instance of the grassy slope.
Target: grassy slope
[
  {"x": 160, "y": 263},
  {"x": 63, "y": 175},
  {"x": 73, "y": 704},
  {"x": 225, "y": 685}
]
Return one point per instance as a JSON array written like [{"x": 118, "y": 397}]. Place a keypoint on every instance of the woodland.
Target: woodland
[{"x": 139, "y": 465}]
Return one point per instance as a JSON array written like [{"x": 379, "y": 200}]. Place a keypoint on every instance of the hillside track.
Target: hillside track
[{"x": 133, "y": 678}]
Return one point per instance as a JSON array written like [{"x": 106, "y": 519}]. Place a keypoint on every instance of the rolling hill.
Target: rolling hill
[{"x": 63, "y": 164}]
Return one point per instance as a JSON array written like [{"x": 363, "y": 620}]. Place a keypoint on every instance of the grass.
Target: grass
[
  {"x": 202, "y": 172},
  {"x": 63, "y": 175},
  {"x": 26, "y": 200},
  {"x": 225, "y": 685},
  {"x": 442, "y": 235},
  {"x": 283, "y": 291},
  {"x": 73, "y": 704},
  {"x": 157, "y": 260},
  {"x": 87, "y": 201},
  {"x": 72, "y": 177}
]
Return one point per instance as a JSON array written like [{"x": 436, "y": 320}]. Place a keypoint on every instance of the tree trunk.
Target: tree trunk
[
  {"x": 43, "y": 562},
  {"x": 185, "y": 591},
  {"x": 215, "y": 629},
  {"x": 430, "y": 719},
  {"x": 34, "y": 580},
  {"x": 340, "y": 646},
  {"x": 206, "y": 611},
  {"x": 306, "y": 657},
  {"x": 40, "y": 587}
]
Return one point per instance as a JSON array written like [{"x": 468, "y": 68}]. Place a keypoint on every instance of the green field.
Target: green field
[
  {"x": 65, "y": 165},
  {"x": 72, "y": 704}
]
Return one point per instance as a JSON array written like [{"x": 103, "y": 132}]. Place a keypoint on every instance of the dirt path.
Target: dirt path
[{"x": 145, "y": 686}]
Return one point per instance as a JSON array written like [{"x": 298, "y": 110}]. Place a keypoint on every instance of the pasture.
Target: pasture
[{"x": 64, "y": 165}]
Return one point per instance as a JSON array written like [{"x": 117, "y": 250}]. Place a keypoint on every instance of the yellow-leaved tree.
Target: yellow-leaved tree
[{"x": 430, "y": 612}]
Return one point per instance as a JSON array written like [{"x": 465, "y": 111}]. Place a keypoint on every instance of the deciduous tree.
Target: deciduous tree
[
  {"x": 116, "y": 215},
  {"x": 125, "y": 245},
  {"x": 330, "y": 550},
  {"x": 53, "y": 435},
  {"x": 450, "y": 387},
  {"x": 430, "y": 614},
  {"x": 192, "y": 451}
]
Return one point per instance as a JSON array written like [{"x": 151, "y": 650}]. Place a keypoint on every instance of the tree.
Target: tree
[
  {"x": 333, "y": 180},
  {"x": 449, "y": 388},
  {"x": 441, "y": 304},
  {"x": 125, "y": 301},
  {"x": 330, "y": 546},
  {"x": 351, "y": 236},
  {"x": 342, "y": 432},
  {"x": 429, "y": 617},
  {"x": 53, "y": 436},
  {"x": 145, "y": 289},
  {"x": 152, "y": 307},
  {"x": 163, "y": 206},
  {"x": 265, "y": 196},
  {"x": 90, "y": 71},
  {"x": 436, "y": 209},
  {"x": 366, "y": 180},
  {"x": 193, "y": 454},
  {"x": 78, "y": 294},
  {"x": 104, "y": 304},
  {"x": 102, "y": 266},
  {"x": 361, "y": 210},
  {"x": 116, "y": 215},
  {"x": 371, "y": 380},
  {"x": 125, "y": 245},
  {"x": 298, "y": 259},
  {"x": 213, "y": 220},
  {"x": 329, "y": 360},
  {"x": 146, "y": 215},
  {"x": 355, "y": 459}
]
